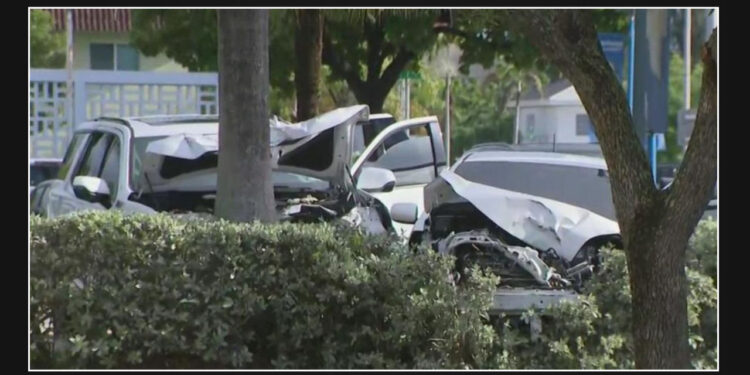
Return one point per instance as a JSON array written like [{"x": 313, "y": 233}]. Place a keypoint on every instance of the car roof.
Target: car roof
[
  {"x": 45, "y": 160},
  {"x": 166, "y": 125},
  {"x": 161, "y": 125},
  {"x": 553, "y": 158},
  {"x": 380, "y": 116}
]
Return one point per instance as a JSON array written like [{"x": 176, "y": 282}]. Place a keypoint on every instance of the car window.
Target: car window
[
  {"x": 408, "y": 154},
  {"x": 93, "y": 158},
  {"x": 582, "y": 187},
  {"x": 40, "y": 172},
  {"x": 111, "y": 169},
  {"x": 365, "y": 132},
  {"x": 70, "y": 154}
]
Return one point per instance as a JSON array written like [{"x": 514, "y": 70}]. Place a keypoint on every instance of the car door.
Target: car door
[
  {"x": 63, "y": 200},
  {"x": 413, "y": 151}
]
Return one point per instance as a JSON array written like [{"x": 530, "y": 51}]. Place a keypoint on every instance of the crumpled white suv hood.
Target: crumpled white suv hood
[{"x": 540, "y": 222}]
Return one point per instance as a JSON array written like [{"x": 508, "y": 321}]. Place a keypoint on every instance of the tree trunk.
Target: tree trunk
[
  {"x": 244, "y": 191},
  {"x": 655, "y": 225},
  {"x": 308, "y": 45},
  {"x": 658, "y": 284}
]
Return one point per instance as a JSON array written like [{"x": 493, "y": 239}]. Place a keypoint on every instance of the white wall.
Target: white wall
[
  {"x": 559, "y": 120},
  {"x": 81, "y": 59}
]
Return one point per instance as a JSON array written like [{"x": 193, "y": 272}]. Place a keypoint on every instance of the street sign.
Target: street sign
[
  {"x": 661, "y": 143},
  {"x": 613, "y": 46},
  {"x": 685, "y": 122},
  {"x": 408, "y": 74}
]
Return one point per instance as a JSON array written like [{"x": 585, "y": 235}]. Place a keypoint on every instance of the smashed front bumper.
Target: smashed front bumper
[
  {"x": 515, "y": 301},
  {"x": 544, "y": 286}
]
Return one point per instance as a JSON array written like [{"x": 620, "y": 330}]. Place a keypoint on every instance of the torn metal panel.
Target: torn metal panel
[
  {"x": 281, "y": 131},
  {"x": 365, "y": 217},
  {"x": 185, "y": 146},
  {"x": 542, "y": 223}
]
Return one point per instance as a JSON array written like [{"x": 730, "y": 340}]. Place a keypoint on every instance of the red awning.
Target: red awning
[{"x": 102, "y": 20}]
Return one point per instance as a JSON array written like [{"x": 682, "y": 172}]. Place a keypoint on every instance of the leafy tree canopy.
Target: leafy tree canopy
[{"x": 47, "y": 45}]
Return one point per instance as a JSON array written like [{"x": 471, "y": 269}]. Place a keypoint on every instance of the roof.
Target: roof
[
  {"x": 380, "y": 116},
  {"x": 152, "y": 126},
  {"x": 34, "y": 161},
  {"x": 549, "y": 90},
  {"x": 96, "y": 20},
  {"x": 537, "y": 157}
]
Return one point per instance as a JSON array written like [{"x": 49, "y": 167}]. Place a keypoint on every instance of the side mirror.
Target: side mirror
[
  {"x": 405, "y": 213},
  {"x": 91, "y": 189},
  {"x": 376, "y": 180}
]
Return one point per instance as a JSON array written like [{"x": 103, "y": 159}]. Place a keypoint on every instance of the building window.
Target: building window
[
  {"x": 113, "y": 57},
  {"x": 583, "y": 125}
]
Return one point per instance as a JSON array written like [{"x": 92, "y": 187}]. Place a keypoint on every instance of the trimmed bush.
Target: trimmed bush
[{"x": 113, "y": 291}]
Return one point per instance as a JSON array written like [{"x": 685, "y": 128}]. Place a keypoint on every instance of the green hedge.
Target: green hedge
[
  {"x": 160, "y": 292},
  {"x": 597, "y": 333}
]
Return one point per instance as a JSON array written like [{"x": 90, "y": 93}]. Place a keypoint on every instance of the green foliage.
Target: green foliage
[
  {"x": 676, "y": 102},
  {"x": 596, "y": 334},
  {"x": 47, "y": 46},
  {"x": 350, "y": 32},
  {"x": 189, "y": 36},
  {"x": 478, "y": 112},
  {"x": 478, "y": 115},
  {"x": 484, "y": 36},
  {"x": 702, "y": 252},
  {"x": 160, "y": 292}
]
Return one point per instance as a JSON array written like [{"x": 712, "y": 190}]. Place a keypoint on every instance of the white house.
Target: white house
[
  {"x": 101, "y": 41},
  {"x": 554, "y": 116}
]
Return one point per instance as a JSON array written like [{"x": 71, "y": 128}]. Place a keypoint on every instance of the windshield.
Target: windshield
[
  {"x": 209, "y": 161},
  {"x": 578, "y": 186}
]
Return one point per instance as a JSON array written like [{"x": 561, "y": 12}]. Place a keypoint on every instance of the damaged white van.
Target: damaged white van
[{"x": 168, "y": 163}]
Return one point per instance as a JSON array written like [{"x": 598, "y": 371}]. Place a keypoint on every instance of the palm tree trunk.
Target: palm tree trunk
[{"x": 244, "y": 191}]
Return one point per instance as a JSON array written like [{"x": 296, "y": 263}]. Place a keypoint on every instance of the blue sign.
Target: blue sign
[{"x": 613, "y": 46}]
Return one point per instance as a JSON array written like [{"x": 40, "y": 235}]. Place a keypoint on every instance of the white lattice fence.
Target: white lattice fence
[
  {"x": 49, "y": 130},
  {"x": 109, "y": 93}
]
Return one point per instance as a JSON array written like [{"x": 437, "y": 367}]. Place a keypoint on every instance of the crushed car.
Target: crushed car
[
  {"x": 169, "y": 163},
  {"x": 536, "y": 219}
]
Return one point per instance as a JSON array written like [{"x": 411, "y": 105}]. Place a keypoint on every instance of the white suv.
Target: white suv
[{"x": 168, "y": 163}]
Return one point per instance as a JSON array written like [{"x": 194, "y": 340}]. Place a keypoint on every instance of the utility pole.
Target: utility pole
[
  {"x": 688, "y": 40},
  {"x": 405, "y": 98},
  {"x": 69, "y": 69},
  {"x": 631, "y": 62},
  {"x": 516, "y": 127},
  {"x": 448, "y": 120},
  {"x": 408, "y": 99}
]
